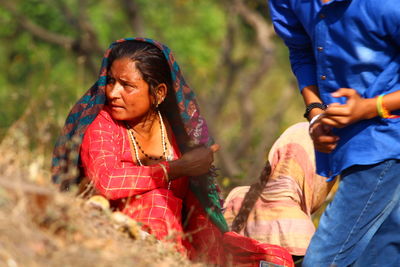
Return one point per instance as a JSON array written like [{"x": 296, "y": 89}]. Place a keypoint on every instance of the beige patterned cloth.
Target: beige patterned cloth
[{"x": 282, "y": 213}]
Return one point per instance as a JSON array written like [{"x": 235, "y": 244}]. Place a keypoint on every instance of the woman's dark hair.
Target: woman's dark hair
[
  {"x": 250, "y": 199},
  {"x": 150, "y": 61}
]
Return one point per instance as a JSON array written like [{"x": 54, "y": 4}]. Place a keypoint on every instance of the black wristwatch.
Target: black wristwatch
[{"x": 312, "y": 106}]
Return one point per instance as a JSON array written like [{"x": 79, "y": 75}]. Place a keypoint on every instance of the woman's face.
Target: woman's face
[{"x": 128, "y": 95}]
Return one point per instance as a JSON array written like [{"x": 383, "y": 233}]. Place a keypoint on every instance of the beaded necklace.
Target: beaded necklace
[{"x": 136, "y": 144}]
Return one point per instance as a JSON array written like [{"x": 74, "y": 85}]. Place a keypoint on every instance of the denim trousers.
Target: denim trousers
[{"x": 361, "y": 226}]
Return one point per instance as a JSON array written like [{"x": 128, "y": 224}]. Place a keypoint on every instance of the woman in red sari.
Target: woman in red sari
[
  {"x": 140, "y": 137},
  {"x": 129, "y": 151}
]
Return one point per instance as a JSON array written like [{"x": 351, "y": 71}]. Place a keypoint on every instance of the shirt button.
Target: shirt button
[
  {"x": 320, "y": 48},
  {"x": 323, "y": 77},
  {"x": 322, "y": 16}
]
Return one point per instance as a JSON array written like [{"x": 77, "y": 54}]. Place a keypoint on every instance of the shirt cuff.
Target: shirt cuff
[{"x": 305, "y": 76}]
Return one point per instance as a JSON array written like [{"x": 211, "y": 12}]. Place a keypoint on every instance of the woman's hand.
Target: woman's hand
[
  {"x": 356, "y": 108},
  {"x": 323, "y": 139},
  {"x": 193, "y": 163}
]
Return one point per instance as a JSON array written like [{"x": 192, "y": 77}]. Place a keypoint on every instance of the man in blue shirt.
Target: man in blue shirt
[{"x": 345, "y": 55}]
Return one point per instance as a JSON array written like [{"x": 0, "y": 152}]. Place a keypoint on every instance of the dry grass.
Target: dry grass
[{"x": 41, "y": 227}]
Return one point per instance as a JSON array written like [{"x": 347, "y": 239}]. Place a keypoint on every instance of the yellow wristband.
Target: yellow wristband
[
  {"x": 382, "y": 110},
  {"x": 379, "y": 106}
]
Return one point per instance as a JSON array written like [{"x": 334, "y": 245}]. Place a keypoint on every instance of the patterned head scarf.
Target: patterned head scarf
[{"x": 65, "y": 164}]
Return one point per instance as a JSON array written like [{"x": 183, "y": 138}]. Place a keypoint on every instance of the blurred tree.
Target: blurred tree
[{"x": 51, "y": 50}]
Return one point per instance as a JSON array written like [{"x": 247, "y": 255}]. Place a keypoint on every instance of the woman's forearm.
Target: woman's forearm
[
  {"x": 195, "y": 162},
  {"x": 176, "y": 169}
]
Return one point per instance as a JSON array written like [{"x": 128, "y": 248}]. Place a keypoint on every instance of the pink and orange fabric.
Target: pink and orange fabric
[{"x": 282, "y": 213}]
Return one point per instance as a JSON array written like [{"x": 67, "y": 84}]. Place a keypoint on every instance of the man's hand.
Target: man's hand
[
  {"x": 356, "y": 108},
  {"x": 324, "y": 140}
]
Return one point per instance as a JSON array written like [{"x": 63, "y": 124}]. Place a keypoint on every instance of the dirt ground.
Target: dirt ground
[{"x": 41, "y": 227}]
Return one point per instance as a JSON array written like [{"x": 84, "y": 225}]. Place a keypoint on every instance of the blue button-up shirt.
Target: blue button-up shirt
[{"x": 350, "y": 44}]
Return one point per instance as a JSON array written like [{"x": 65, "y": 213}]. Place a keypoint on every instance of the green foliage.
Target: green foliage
[
  {"x": 29, "y": 63},
  {"x": 193, "y": 29},
  {"x": 40, "y": 80}
]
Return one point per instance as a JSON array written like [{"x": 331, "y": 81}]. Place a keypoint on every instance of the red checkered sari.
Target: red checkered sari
[{"x": 142, "y": 192}]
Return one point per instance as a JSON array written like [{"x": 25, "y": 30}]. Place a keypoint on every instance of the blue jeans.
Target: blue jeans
[{"x": 361, "y": 226}]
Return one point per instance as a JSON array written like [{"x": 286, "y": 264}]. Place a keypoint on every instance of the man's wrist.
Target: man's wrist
[
  {"x": 314, "y": 106},
  {"x": 314, "y": 119},
  {"x": 314, "y": 113}
]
